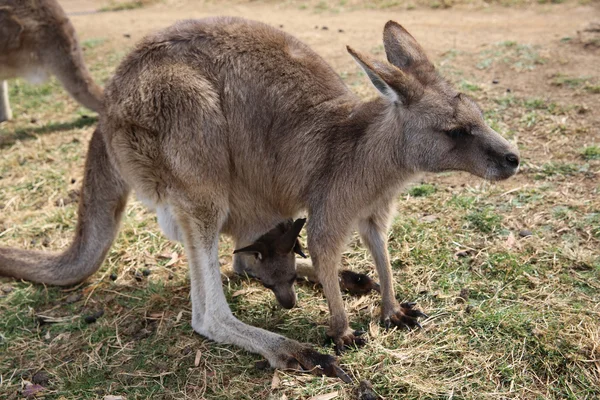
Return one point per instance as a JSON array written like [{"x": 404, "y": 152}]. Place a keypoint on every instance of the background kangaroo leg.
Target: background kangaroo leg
[
  {"x": 211, "y": 316},
  {"x": 5, "y": 111},
  {"x": 373, "y": 231}
]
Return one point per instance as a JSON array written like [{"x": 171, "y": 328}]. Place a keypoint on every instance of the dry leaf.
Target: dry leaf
[
  {"x": 197, "y": 359},
  {"x": 32, "y": 390},
  {"x": 373, "y": 330},
  {"x": 111, "y": 397},
  {"x": 276, "y": 381},
  {"x": 245, "y": 291},
  {"x": 156, "y": 315},
  {"x": 511, "y": 242},
  {"x": 173, "y": 260},
  {"x": 429, "y": 218},
  {"x": 327, "y": 396},
  {"x": 179, "y": 315},
  {"x": 359, "y": 303}
]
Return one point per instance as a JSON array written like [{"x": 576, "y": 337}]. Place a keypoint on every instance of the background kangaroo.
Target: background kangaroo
[
  {"x": 37, "y": 38},
  {"x": 230, "y": 126}
]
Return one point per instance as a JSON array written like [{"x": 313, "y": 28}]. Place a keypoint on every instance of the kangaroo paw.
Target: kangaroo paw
[
  {"x": 349, "y": 340},
  {"x": 309, "y": 360},
  {"x": 406, "y": 316},
  {"x": 357, "y": 284}
]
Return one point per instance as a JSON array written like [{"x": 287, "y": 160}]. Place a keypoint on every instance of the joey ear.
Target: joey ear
[
  {"x": 298, "y": 249},
  {"x": 391, "y": 82},
  {"x": 402, "y": 49},
  {"x": 287, "y": 242},
  {"x": 257, "y": 248}
]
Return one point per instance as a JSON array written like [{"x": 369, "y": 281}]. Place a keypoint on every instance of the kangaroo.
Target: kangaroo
[
  {"x": 274, "y": 265},
  {"x": 37, "y": 38},
  {"x": 230, "y": 126}
]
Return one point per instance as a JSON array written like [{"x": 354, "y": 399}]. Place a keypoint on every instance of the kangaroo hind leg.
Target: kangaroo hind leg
[{"x": 200, "y": 221}]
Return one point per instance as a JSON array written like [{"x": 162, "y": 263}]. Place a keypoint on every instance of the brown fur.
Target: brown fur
[
  {"x": 230, "y": 126},
  {"x": 37, "y": 38}
]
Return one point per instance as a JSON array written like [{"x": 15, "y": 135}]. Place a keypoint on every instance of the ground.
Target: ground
[{"x": 508, "y": 272}]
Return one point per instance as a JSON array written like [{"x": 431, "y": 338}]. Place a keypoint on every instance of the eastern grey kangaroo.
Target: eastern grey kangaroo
[
  {"x": 230, "y": 126},
  {"x": 37, "y": 38}
]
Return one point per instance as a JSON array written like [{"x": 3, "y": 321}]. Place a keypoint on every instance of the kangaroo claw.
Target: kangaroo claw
[
  {"x": 342, "y": 375},
  {"x": 309, "y": 360},
  {"x": 347, "y": 341},
  {"x": 404, "y": 317}
]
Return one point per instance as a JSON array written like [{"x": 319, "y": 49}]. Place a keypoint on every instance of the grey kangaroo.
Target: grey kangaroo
[
  {"x": 225, "y": 125},
  {"x": 37, "y": 38}
]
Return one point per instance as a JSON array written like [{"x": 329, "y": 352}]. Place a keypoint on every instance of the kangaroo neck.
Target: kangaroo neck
[{"x": 363, "y": 157}]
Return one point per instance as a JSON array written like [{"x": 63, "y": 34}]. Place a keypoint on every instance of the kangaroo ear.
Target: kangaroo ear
[
  {"x": 257, "y": 248},
  {"x": 298, "y": 249},
  {"x": 402, "y": 49},
  {"x": 391, "y": 82},
  {"x": 287, "y": 242}
]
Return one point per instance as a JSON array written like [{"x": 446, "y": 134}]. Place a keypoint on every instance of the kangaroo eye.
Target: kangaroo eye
[{"x": 457, "y": 133}]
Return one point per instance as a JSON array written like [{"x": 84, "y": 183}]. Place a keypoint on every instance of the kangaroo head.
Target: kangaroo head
[
  {"x": 271, "y": 260},
  {"x": 438, "y": 127}
]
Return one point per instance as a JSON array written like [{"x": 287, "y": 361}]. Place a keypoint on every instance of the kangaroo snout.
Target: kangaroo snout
[
  {"x": 507, "y": 164},
  {"x": 512, "y": 160},
  {"x": 286, "y": 297}
]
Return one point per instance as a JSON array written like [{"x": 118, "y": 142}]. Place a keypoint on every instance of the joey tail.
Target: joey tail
[{"x": 101, "y": 204}]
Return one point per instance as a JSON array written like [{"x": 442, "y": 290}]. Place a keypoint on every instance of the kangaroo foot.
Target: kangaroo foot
[
  {"x": 403, "y": 316},
  {"x": 309, "y": 360},
  {"x": 346, "y": 341},
  {"x": 357, "y": 284}
]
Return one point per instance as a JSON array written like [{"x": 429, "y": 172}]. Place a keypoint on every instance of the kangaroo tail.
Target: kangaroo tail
[
  {"x": 67, "y": 64},
  {"x": 103, "y": 199}
]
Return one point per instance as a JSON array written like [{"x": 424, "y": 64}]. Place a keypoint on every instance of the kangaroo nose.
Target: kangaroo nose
[
  {"x": 512, "y": 160},
  {"x": 286, "y": 299}
]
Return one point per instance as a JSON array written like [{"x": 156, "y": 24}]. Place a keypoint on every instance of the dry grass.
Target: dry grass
[
  {"x": 511, "y": 316},
  {"x": 319, "y": 6},
  {"x": 115, "y": 5}
]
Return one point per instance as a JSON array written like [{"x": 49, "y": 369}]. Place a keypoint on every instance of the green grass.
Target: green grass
[
  {"x": 594, "y": 89},
  {"x": 486, "y": 220},
  {"x": 422, "y": 190},
  {"x": 591, "y": 152},
  {"x": 511, "y": 317},
  {"x": 521, "y": 57},
  {"x": 569, "y": 81},
  {"x": 126, "y": 5}
]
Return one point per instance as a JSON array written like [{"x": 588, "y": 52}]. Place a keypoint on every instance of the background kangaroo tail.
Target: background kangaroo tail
[
  {"x": 64, "y": 59},
  {"x": 101, "y": 204}
]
